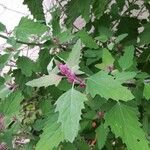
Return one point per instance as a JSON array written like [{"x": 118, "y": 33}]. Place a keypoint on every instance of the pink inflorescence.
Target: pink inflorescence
[{"x": 71, "y": 77}]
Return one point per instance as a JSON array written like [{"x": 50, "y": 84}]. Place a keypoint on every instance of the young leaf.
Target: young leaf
[
  {"x": 87, "y": 39},
  {"x": 69, "y": 106},
  {"x": 107, "y": 60},
  {"x": 46, "y": 80},
  {"x": 52, "y": 134},
  {"x": 106, "y": 86},
  {"x": 3, "y": 60},
  {"x": 124, "y": 123},
  {"x": 126, "y": 61},
  {"x": 74, "y": 57},
  {"x": 146, "y": 92},
  {"x": 101, "y": 135}
]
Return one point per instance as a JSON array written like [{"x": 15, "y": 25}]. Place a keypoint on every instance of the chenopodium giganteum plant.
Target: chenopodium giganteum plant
[{"x": 88, "y": 88}]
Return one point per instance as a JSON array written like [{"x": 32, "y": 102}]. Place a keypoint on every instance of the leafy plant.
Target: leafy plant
[{"x": 88, "y": 88}]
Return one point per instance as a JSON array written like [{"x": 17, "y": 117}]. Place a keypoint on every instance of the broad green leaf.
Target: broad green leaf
[
  {"x": 46, "y": 80},
  {"x": 2, "y": 27},
  {"x": 27, "y": 28},
  {"x": 101, "y": 135},
  {"x": 146, "y": 92},
  {"x": 11, "y": 105},
  {"x": 87, "y": 40},
  {"x": 107, "y": 60},
  {"x": 69, "y": 106},
  {"x": 124, "y": 123},
  {"x": 76, "y": 8},
  {"x": 36, "y": 8},
  {"x": 74, "y": 57},
  {"x": 126, "y": 61},
  {"x": 52, "y": 134},
  {"x": 99, "y": 7},
  {"x": 4, "y": 59},
  {"x": 128, "y": 25},
  {"x": 26, "y": 65},
  {"x": 145, "y": 35},
  {"x": 106, "y": 86},
  {"x": 125, "y": 76}
]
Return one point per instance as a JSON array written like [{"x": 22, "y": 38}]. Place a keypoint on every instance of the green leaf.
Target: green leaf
[
  {"x": 69, "y": 106},
  {"x": 124, "y": 123},
  {"x": 74, "y": 57},
  {"x": 2, "y": 27},
  {"x": 26, "y": 65},
  {"x": 11, "y": 105},
  {"x": 107, "y": 60},
  {"x": 87, "y": 39},
  {"x": 27, "y": 28},
  {"x": 52, "y": 134},
  {"x": 125, "y": 76},
  {"x": 99, "y": 7},
  {"x": 121, "y": 37},
  {"x": 106, "y": 86},
  {"x": 144, "y": 36},
  {"x": 65, "y": 36},
  {"x": 126, "y": 61},
  {"x": 120, "y": 4},
  {"x": 36, "y": 8},
  {"x": 146, "y": 92},
  {"x": 3, "y": 60},
  {"x": 101, "y": 136},
  {"x": 4, "y": 91},
  {"x": 76, "y": 8},
  {"x": 46, "y": 80}
]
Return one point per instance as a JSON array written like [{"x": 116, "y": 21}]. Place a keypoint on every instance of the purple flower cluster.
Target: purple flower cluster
[{"x": 71, "y": 76}]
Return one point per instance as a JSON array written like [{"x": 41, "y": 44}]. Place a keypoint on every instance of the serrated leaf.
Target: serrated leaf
[
  {"x": 83, "y": 9},
  {"x": 87, "y": 39},
  {"x": 52, "y": 134},
  {"x": 101, "y": 135},
  {"x": 69, "y": 106},
  {"x": 26, "y": 65},
  {"x": 46, "y": 80},
  {"x": 107, "y": 60},
  {"x": 144, "y": 36},
  {"x": 124, "y": 123},
  {"x": 125, "y": 76},
  {"x": 36, "y": 8},
  {"x": 106, "y": 86},
  {"x": 146, "y": 92},
  {"x": 27, "y": 28},
  {"x": 74, "y": 57},
  {"x": 99, "y": 7},
  {"x": 126, "y": 61},
  {"x": 11, "y": 105}
]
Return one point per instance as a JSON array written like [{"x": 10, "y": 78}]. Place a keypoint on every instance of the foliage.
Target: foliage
[{"x": 88, "y": 88}]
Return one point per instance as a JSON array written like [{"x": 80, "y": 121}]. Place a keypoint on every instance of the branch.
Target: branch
[{"x": 21, "y": 42}]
